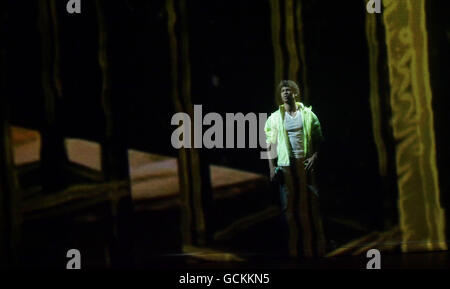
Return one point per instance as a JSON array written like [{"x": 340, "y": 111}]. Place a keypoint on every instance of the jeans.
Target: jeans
[{"x": 301, "y": 224}]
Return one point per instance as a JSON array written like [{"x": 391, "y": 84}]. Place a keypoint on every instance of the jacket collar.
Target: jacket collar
[{"x": 282, "y": 110}]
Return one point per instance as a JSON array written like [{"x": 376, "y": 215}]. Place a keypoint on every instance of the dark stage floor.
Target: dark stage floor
[{"x": 247, "y": 228}]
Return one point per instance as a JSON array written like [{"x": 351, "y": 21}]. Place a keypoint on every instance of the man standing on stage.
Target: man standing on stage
[{"x": 296, "y": 132}]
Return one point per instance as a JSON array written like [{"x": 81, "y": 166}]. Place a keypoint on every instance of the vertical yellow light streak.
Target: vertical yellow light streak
[
  {"x": 186, "y": 219},
  {"x": 278, "y": 56},
  {"x": 290, "y": 41},
  {"x": 421, "y": 77},
  {"x": 191, "y": 179},
  {"x": 372, "y": 42},
  {"x": 421, "y": 217},
  {"x": 304, "y": 94},
  {"x": 197, "y": 180}
]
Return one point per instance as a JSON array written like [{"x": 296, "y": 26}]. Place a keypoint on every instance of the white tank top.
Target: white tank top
[{"x": 294, "y": 129}]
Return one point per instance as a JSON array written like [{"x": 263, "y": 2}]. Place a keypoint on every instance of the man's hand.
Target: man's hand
[{"x": 310, "y": 162}]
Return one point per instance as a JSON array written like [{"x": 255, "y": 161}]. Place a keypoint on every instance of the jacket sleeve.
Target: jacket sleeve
[
  {"x": 316, "y": 131},
  {"x": 270, "y": 130}
]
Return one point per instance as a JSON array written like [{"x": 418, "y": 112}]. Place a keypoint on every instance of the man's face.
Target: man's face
[{"x": 287, "y": 94}]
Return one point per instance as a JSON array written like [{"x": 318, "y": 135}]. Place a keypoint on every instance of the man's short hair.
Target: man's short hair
[{"x": 291, "y": 84}]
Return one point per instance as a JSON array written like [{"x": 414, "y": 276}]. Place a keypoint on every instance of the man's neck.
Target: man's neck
[{"x": 290, "y": 106}]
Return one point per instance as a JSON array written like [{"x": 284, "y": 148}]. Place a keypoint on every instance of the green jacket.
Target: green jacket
[{"x": 276, "y": 133}]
